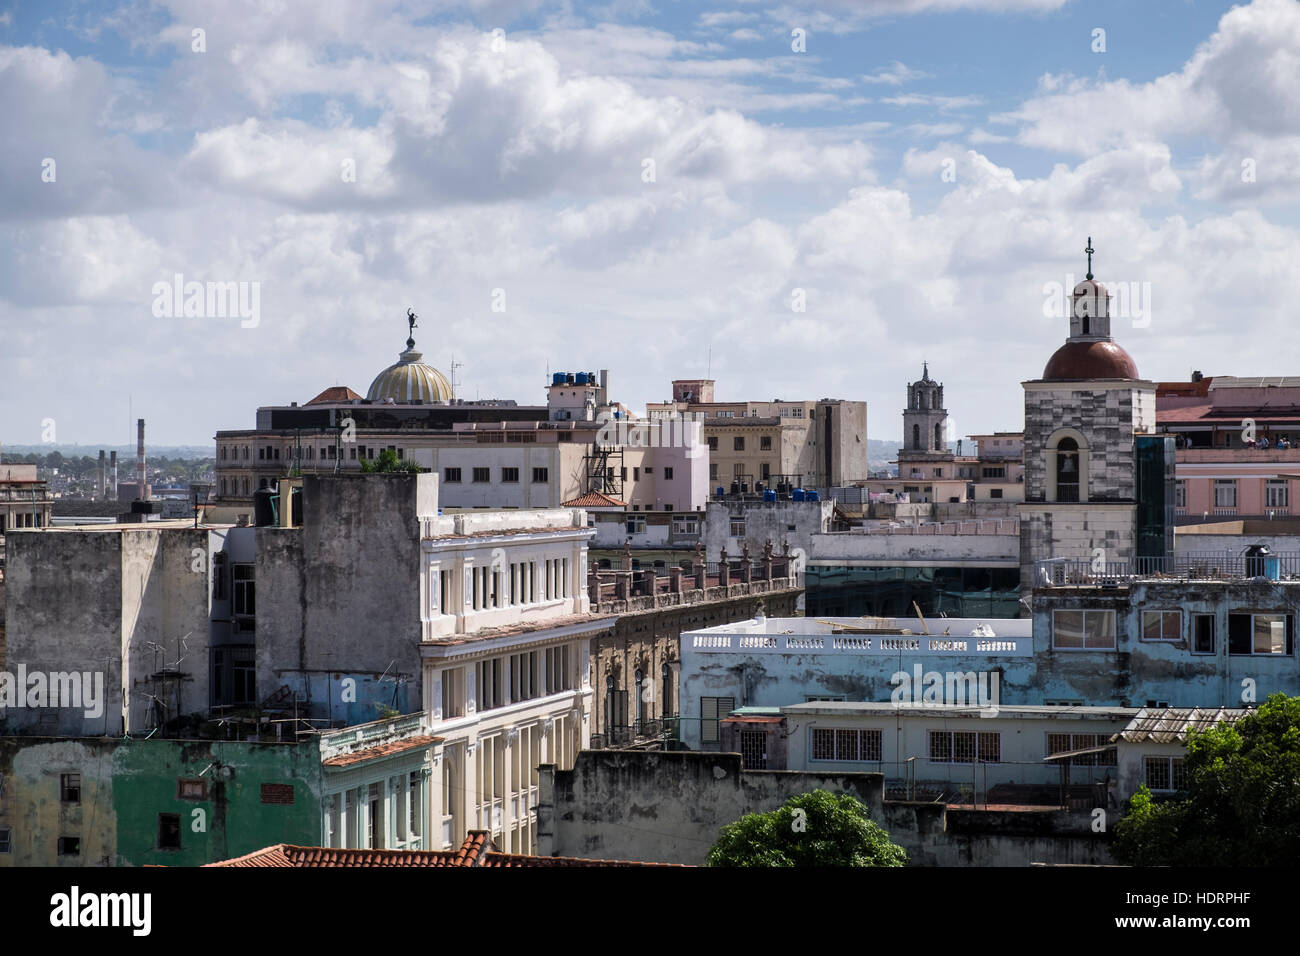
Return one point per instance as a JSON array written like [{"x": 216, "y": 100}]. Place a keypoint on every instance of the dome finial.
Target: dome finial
[
  {"x": 1090, "y": 251},
  {"x": 410, "y": 321}
]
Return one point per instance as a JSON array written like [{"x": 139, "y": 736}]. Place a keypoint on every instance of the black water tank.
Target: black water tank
[
  {"x": 296, "y": 498},
  {"x": 263, "y": 510}
]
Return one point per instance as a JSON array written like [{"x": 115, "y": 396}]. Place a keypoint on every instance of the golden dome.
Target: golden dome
[{"x": 410, "y": 380}]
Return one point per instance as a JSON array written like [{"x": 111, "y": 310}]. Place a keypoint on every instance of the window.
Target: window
[
  {"x": 1162, "y": 625},
  {"x": 558, "y": 669},
  {"x": 481, "y": 475},
  {"x": 1277, "y": 494},
  {"x": 965, "y": 747},
  {"x": 765, "y": 443},
  {"x": 738, "y": 443},
  {"x": 765, "y": 471},
  {"x": 541, "y": 475},
  {"x": 1165, "y": 773},
  {"x": 1083, "y": 630},
  {"x": 6, "y": 839},
  {"x": 69, "y": 846},
  {"x": 713, "y": 471},
  {"x": 668, "y": 474},
  {"x": 916, "y": 437},
  {"x": 451, "y": 475},
  {"x": 753, "y": 749},
  {"x": 666, "y": 675},
  {"x": 1260, "y": 634},
  {"x": 835, "y": 744},
  {"x": 169, "y": 831},
  {"x": 1203, "y": 634},
  {"x": 737, "y": 527},
  {"x": 523, "y": 676},
  {"x": 938, "y": 473},
  {"x": 1065, "y": 743},
  {"x": 713, "y": 443},
  {"x": 245, "y": 591},
  {"x": 196, "y": 789},
  {"x": 1180, "y": 493},
  {"x": 636, "y": 473},
  {"x": 635, "y": 524},
  {"x": 261, "y": 453},
  {"x": 686, "y": 526},
  {"x": 453, "y": 693},
  {"x": 995, "y": 492},
  {"x": 999, "y": 472},
  {"x": 1225, "y": 493},
  {"x": 489, "y": 683},
  {"x": 69, "y": 788},
  {"x": 649, "y": 471},
  {"x": 510, "y": 475},
  {"x": 711, "y": 710},
  {"x": 639, "y": 679},
  {"x": 223, "y": 452},
  {"x": 219, "y": 573}
]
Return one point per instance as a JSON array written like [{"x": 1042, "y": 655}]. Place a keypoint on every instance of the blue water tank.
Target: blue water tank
[
  {"x": 769, "y": 495},
  {"x": 799, "y": 495},
  {"x": 582, "y": 378},
  {"x": 721, "y": 491},
  {"x": 812, "y": 496},
  {"x": 557, "y": 378}
]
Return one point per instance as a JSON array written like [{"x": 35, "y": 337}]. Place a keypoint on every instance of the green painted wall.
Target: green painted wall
[
  {"x": 234, "y": 820},
  {"x": 126, "y": 784}
]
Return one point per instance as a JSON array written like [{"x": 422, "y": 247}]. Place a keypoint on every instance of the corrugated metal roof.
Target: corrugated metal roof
[{"x": 1170, "y": 724}]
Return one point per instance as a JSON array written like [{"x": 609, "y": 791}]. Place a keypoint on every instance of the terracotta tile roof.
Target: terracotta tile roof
[
  {"x": 382, "y": 750},
  {"x": 594, "y": 499},
  {"x": 477, "y": 850},
  {"x": 335, "y": 393}
]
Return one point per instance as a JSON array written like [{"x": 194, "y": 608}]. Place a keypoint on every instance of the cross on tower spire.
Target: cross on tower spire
[{"x": 1088, "y": 249}]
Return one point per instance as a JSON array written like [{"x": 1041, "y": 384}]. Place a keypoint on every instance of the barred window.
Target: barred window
[
  {"x": 845, "y": 744},
  {"x": 965, "y": 747},
  {"x": 1165, "y": 773}
]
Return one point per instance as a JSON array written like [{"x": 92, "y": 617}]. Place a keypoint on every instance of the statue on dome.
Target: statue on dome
[{"x": 410, "y": 320}]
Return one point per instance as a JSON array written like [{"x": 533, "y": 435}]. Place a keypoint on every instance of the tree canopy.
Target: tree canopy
[
  {"x": 1241, "y": 805},
  {"x": 812, "y": 829}
]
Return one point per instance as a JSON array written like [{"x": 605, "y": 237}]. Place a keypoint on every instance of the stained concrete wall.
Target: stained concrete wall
[
  {"x": 339, "y": 599},
  {"x": 848, "y": 548},
  {"x": 764, "y": 521},
  {"x": 670, "y": 807},
  {"x": 1138, "y": 671},
  {"x": 126, "y": 604},
  {"x": 126, "y": 784}
]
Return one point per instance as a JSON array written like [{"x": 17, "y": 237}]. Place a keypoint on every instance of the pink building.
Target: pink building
[{"x": 1237, "y": 444}]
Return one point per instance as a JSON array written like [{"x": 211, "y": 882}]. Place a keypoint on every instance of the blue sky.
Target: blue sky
[{"x": 920, "y": 173}]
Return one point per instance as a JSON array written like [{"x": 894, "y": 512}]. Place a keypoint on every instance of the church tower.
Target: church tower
[
  {"x": 925, "y": 419},
  {"x": 1086, "y": 467}
]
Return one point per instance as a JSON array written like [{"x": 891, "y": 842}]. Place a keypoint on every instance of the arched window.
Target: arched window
[
  {"x": 1083, "y": 329},
  {"x": 1067, "y": 470},
  {"x": 641, "y": 688},
  {"x": 668, "y": 691},
  {"x": 916, "y": 437},
  {"x": 938, "y": 437}
]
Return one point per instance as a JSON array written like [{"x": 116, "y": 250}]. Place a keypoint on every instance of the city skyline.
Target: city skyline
[{"x": 895, "y": 174}]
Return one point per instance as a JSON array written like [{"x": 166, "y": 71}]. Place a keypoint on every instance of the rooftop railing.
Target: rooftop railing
[{"x": 1192, "y": 566}]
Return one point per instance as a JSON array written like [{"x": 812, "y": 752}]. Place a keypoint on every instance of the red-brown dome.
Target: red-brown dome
[{"x": 1089, "y": 360}]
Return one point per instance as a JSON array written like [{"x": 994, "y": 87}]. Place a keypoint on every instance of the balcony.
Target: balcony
[{"x": 1193, "y": 566}]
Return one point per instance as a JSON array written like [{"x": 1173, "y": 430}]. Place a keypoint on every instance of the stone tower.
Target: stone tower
[
  {"x": 925, "y": 419},
  {"x": 1081, "y": 421}
]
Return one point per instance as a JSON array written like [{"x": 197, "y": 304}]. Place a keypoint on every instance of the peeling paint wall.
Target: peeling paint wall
[
  {"x": 670, "y": 807},
  {"x": 127, "y": 784}
]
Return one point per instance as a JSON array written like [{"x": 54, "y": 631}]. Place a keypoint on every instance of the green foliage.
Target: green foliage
[
  {"x": 389, "y": 463},
  {"x": 1242, "y": 802},
  {"x": 812, "y": 829}
]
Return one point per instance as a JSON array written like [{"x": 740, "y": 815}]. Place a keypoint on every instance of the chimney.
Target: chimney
[
  {"x": 141, "y": 492},
  {"x": 112, "y": 475},
  {"x": 100, "y": 482}
]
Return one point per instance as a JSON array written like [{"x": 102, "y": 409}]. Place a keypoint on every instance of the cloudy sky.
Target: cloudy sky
[{"x": 807, "y": 198}]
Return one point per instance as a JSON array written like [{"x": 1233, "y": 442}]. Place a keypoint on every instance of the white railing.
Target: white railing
[{"x": 864, "y": 644}]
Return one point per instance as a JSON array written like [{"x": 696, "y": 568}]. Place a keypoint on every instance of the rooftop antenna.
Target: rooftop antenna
[
  {"x": 709, "y": 373},
  {"x": 455, "y": 365}
]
